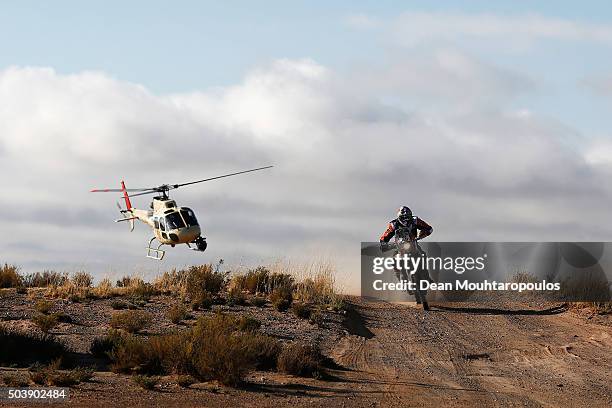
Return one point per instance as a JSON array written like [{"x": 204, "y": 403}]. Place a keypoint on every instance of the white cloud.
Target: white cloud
[
  {"x": 346, "y": 155},
  {"x": 413, "y": 28}
]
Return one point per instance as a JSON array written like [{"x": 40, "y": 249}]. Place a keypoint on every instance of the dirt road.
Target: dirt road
[{"x": 476, "y": 356}]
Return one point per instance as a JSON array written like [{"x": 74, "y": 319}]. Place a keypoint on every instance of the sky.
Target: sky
[{"x": 491, "y": 119}]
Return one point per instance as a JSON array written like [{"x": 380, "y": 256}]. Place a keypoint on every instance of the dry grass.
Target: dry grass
[
  {"x": 176, "y": 313},
  {"x": 146, "y": 382},
  {"x": 9, "y": 276},
  {"x": 301, "y": 359},
  {"x": 43, "y": 306},
  {"x": 45, "y": 322},
  {"x": 131, "y": 321},
  {"x": 15, "y": 380},
  {"x": 51, "y": 375},
  {"x": 221, "y": 347},
  {"x": 301, "y": 310},
  {"x": 44, "y": 279},
  {"x": 281, "y": 298}
]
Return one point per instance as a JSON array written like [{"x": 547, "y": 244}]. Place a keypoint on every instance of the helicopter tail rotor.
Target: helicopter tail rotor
[{"x": 125, "y": 217}]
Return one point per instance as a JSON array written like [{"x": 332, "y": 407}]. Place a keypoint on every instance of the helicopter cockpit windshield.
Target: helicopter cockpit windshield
[
  {"x": 189, "y": 217},
  {"x": 174, "y": 221}
]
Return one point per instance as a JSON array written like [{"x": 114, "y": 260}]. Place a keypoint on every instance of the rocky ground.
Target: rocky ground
[{"x": 384, "y": 354}]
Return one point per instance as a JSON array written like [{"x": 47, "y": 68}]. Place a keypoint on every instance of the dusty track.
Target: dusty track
[{"x": 465, "y": 356}]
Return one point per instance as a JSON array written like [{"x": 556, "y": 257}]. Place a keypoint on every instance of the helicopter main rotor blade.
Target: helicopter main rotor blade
[
  {"x": 173, "y": 186},
  {"x": 146, "y": 192},
  {"x": 118, "y": 190}
]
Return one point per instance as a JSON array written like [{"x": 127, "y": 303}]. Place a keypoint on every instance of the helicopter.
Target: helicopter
[{"x": 172, "y": 225}]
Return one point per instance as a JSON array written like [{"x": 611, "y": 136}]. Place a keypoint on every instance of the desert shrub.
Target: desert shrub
[
  {"x": 43, "y": 306},
  {"x": 104, "y": 289},
  {"x": 53, "y": 376},
  {"x": 589, "y": 287},
  {"x": 202, "y": 301},
  {"x": 215, "y": 348},
  {"x": 9, "y": 276},
  {"x": 301, "y": 310},
  {"x": 44, "y": 279},
  {"x": 62, "y": 317},
  {"x": 176, "y": 313},
  {"x": 248, "y": 324},
  {"x": 15, "y": 380},
  {"x": 22, "y": 349},
  {"x": 101, "y": 347},
  {"x": 281, "y": 298},
  {"x": 218, "y": 352},
  {"x": 82, "y": 374},
  {"x": 202, "y": 279},
  {"x": 301, "y": 359},
  {"x": 257, "y": 280},
  {"x": 119, "y": 305},
  {"x": 131, "y": 321},
  {"x": 82, "y": 279},
  {"x": 258, "y": 301},
  {"x": 172, "y": 282},
  {"x": 235, "y": 297},
  {"x": 45, "y": 322},
  {"x": 316, "y": 318},
  {"x": 280, "y": 280},
  {"x": 139, "y": 290},
  {"x": 145, "y": 382},
  {"x": 185, "y": 381},
  {"x": 264, "y": 350}
]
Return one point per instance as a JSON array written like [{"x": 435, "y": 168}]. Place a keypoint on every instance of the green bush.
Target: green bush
[
  {"x": 281, "y": 298},
  {"x": 301, "y": 359},
  {"x": 131, "y": 321}
]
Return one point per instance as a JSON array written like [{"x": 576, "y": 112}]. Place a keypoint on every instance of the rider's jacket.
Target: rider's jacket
[{"x": 408, "y": 231}]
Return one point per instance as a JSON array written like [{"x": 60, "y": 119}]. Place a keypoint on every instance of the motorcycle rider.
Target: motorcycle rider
[{"x": 408, "y": 228}]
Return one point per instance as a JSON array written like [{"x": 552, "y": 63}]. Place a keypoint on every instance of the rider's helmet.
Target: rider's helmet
[{"x": 404, "y": 215}]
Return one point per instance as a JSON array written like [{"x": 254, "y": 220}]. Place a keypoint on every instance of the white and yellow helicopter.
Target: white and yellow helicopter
[{"x": 171, "y": 225}]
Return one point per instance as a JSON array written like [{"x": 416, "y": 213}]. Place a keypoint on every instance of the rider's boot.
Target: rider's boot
[{"x": 425, "y": 305}]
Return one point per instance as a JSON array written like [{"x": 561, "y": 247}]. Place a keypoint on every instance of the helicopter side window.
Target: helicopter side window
[
  {"x": 156, "y": 223},
  {"x": 162, "y": 224},
  {"x": 174, "y": 221},
  {"x": 189, "y": 217}
]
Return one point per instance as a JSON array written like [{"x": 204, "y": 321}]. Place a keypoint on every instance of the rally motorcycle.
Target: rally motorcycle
[{"x": 409, "y": 246}]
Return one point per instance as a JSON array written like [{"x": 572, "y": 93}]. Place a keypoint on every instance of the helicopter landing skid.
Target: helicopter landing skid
[{"x": 155, "y": 253}]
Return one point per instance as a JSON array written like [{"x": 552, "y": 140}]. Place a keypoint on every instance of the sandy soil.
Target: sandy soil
[{"x": 389, "y": 355}]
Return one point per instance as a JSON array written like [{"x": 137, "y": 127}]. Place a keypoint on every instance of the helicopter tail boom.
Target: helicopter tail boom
[{"x": 128, "y": 204}]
